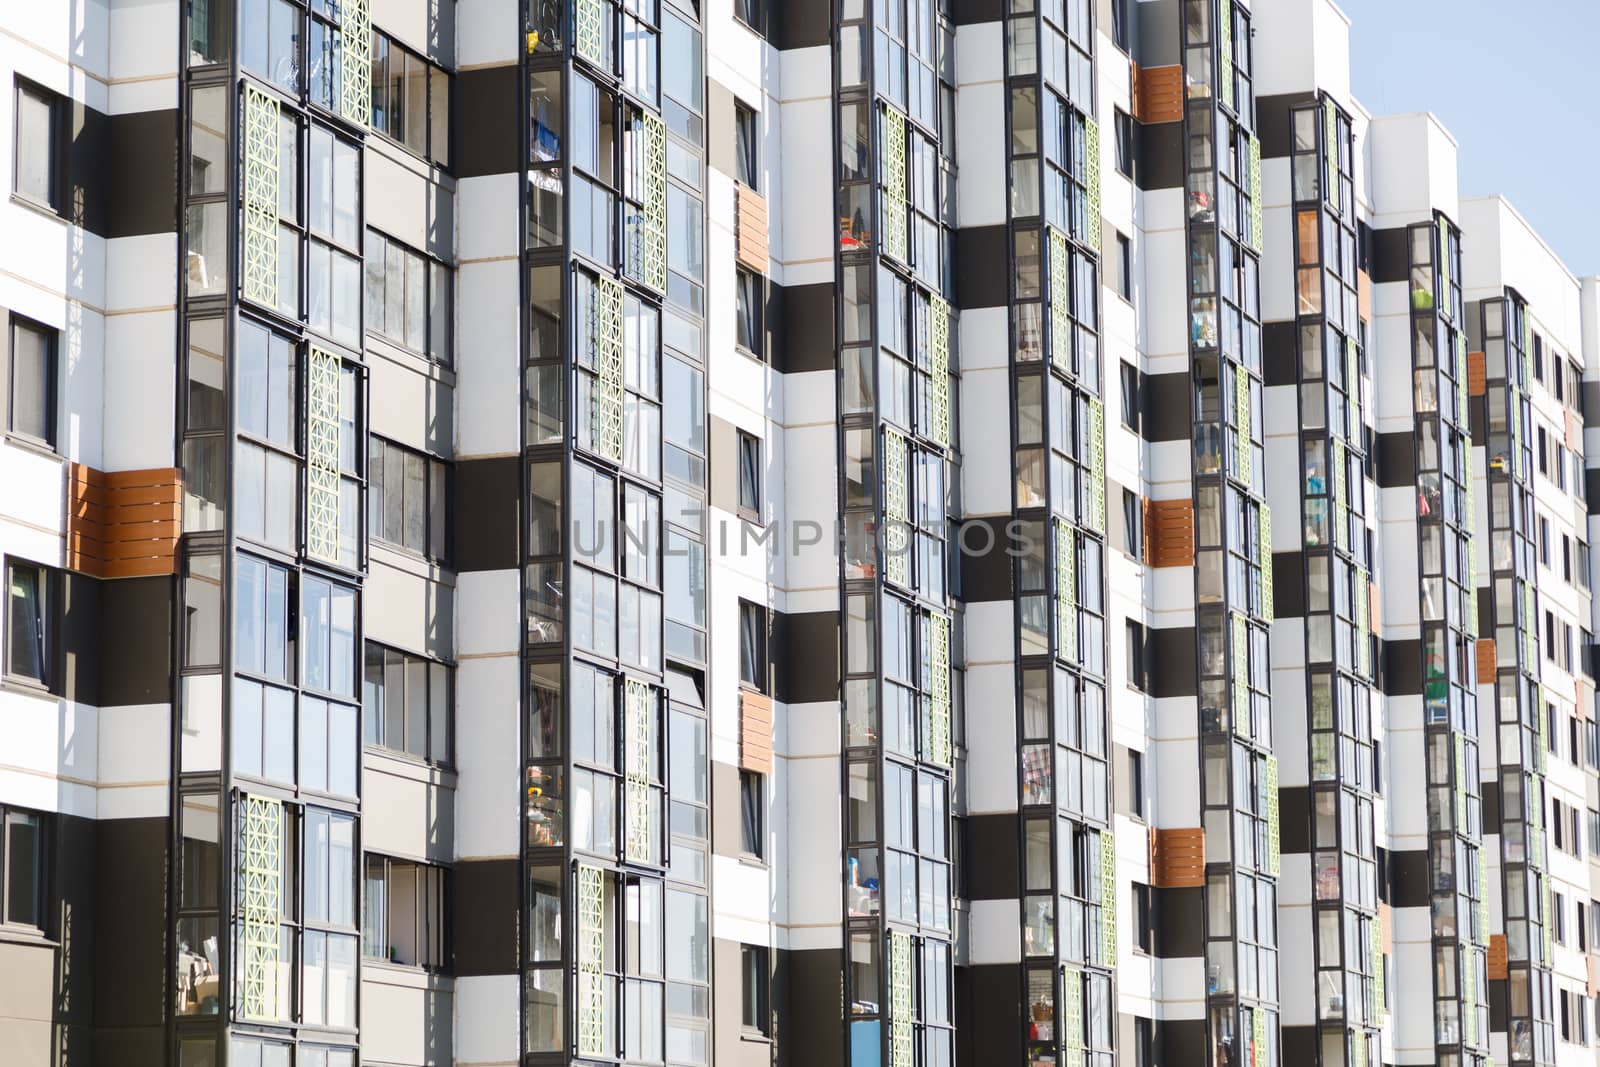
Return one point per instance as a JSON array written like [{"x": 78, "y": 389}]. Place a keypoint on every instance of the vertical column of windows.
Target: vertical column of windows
[
  {"x": 897, "y": 406},
  {"x": 1525, "y": 885},
  {"x": 1233, "y": 559}
]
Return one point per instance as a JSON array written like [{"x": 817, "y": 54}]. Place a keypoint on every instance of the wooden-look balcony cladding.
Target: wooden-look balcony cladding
[
  {"x": 1497, "y": 957},
  {"x": 1477, "y": 374},
  {"x": 1487, "y": 663},
  {"x": 1169, "y": 533},
  {"x": 1178, "y": 858},
  {"x": 1158, "y": 94},
  {"x": 755, "y": 731},
  {"x": 123, "y": 524},
  {"x": 750, "y": 238}
]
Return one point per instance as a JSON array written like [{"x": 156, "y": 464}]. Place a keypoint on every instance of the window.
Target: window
[
  {"x": 1144, "y": 928},
  {"x": 408, "y": 499},
  {"x": 407, "y": 702},
  {"x": 1124, "y": 267},
  {"x": 1544, "y": 540},
  {"x": 1136, "y": 782},
  {"x": 30, "y": 382},
  {"x": 29, "y": 636},
  {"x": 750, "y": 12},
  {"x": 404, "y": 921},
  {"x": 1538, "y": 357},
  {"x": 753, "y": 645},
  {"x": 1559, "y": 915},
  {"x": 22, "y": 868},
  {"x": 746, "y": 134},
  {"x": 1135, "y": 654},
  {"x": 409, "y": 297},
  {"x": 749, "y": 476},
  {"x": 752, "y": 813},
  {"x": 748, "y": 292},
  {"x": 410, "y": 99},
  {"x": 1130, "y": 397},
  {"x": 1132, "y": 516},
  {"x": 753, "y": 981},
  {"x": 37, "y": 158},
  {"x": 1124, "y": 132}
]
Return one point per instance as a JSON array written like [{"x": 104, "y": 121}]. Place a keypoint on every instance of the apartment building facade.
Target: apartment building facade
[{"x": 896, "y": 535}]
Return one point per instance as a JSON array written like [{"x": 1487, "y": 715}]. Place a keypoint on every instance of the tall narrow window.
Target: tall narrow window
[
  {"x": 744, "y": 146},
  {"x": 28, "y": 644},
  {"x": 36, "y": 155},
  {"x": 749, "y": 476},
  {"x": 750, "y": 13},
  {"x": 22, "y": 868},
  {"x": 753, "y": 983},
  {"x": 747, "y": 305},
  {"x": 752, "y": 645},
  {"x": 30, "y": 382},
  {"x": 1124, "y": 267},
  {"x": 1124, "y": 134},
  {"x": 751, "y": 813}
]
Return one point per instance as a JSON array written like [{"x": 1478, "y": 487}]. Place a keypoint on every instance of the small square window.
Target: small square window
[
  {"x": 753, "y": 646},
  {"x": 752, "y": 814},
  {"x": 36, "y": 173},
  {"x": 753, "y": 983},
  {"x": 749, "y": 295},
  {"x": 749, "y": 476},
  {"x": 30, "y": 382},
  {"x": 29, "y": 625},
  {"x": 745, "y": 139}
]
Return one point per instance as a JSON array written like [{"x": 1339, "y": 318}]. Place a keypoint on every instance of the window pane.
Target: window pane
[
  {"x": 22, "y": 868},
  {"x": 25, "y": 644},
  {"x": 35, "y": 145},
  {"x": 32, "y": 381}
]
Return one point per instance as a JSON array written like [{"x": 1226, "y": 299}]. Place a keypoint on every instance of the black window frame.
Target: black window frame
[
  {"x": 1124, "y": 267},
  {"x": 447, "y": 759},
  {"x": 52, "y": 399},
  {"x": 378, "y": 82},
  {"x": 749, "y": 312},
  {"x": 753, "y": 667},
  {"x": 754, "y": 1015},
  {"x": 752, "y": 814},
  {"x": 748, "y": 460},
  {"x": 752, "y": 14},
  {"x": 747, "y": 143},
  {"x": 41, "y": 870},
  {"x": 1132, "y": 524},
  {"x": 1119, "y": 25},
  {"x": 1122, "y": 130},
  {"x": 54, "y": 152},
  {"x": 437, "y": 274},
  {"x": 47, "y": 591},
  {"x": 378, "y": 449}
]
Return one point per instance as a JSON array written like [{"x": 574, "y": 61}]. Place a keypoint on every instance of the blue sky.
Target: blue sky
[{"x": 1517, "y": 84}]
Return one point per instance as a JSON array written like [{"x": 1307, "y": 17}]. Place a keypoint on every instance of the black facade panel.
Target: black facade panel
[
  {"x": 807, "y": 667},
  {"x": 1288, "y": 585},
  {"x": 136, "y": 653},
  {"x": 1172, "y": 661},
  {"x": 1183, "y": 1043},
  {"x": 1275, "y": 124},
  {"x": 972, "y": 12},
  {"x": 1160, "y": 160},
  {"x": 142, "y": 150},
  {"x": 130, "y": 920},
  {"x": 1490, "y": 792},
  {"x": 1397, "y": 460},
  {"x": 1280, "y": 353},
  {"x": 984, "y": 253},
  {"x": 1391, "y": 256},
  {"x": 1178, "y": 922},
  {"x": 1591, "y": 489},
  {"x": 1402, "y": 667},
  {"x": 1168, "y": 403},
  {"x": 994, "y": 993},
  {"x": 484, "y": 536},
  {"x": 803, "y": 340},
  {"x": 1408, "y": 879},
  {"x": 985, "y": 565},
  {"x": 1294, "y": 819},
  {"x": 483, "y": 911},
  {"x": 993, "y": 868},
  {"x": 488, "y": 110},
  {"x": 1299, "y": 1044},
  {"x": 801, "y": 24}
]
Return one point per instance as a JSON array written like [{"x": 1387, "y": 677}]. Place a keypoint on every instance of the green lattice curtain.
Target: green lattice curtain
[
  {"x": 1270, "y": 786},
  {"x": 893, "y": 168},
  {"x": 1108, "y": 899},
  {"x": 589, "y": 33},
  {"x": 896, "y": 537},
  {"x": 355, "y": 100},
  {"x": 608, "y": 392},
  {"x": 1072, "y": 1016},
  {"x": 655, "y": 202},
  {"x": 939, "y": 370},
  {"x": 939, "y": 689},
  {"x": 1060, "y": 300},
  {"x": 261, "y": 874},
  {"x": 591, "y": 1007},
  {"x": 636, "y": 769},
  {"x": 260, "y": 243},
  {"x": 322, "y": 455},
  {"x": 901, "y": 1053},
  {"x": 1091, "y": 150},
  {"x": 1066, "y": 594}
]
